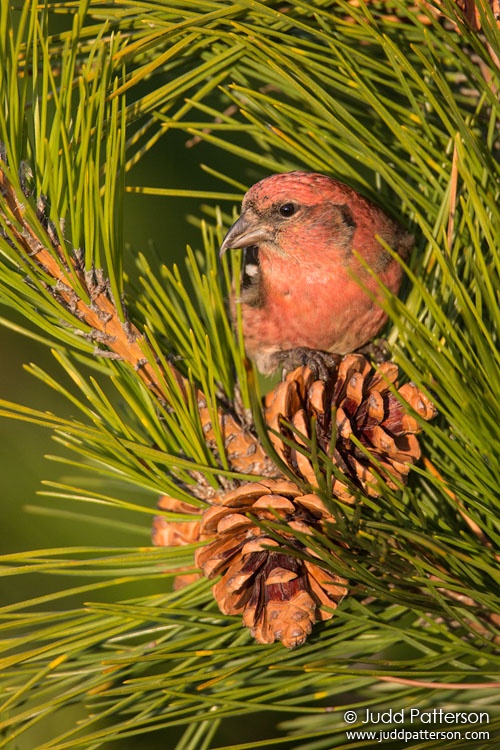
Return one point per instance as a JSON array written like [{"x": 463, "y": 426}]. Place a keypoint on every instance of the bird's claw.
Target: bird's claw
[
  {"x": 319, "y": 362},
  {"x": 377, "y": 351}
]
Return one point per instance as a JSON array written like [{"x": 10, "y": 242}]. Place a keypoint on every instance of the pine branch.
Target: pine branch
[{"x": 120, "y": 337}]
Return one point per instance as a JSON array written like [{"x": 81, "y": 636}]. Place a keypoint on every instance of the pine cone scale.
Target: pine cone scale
[{"x": 373, "y": 434}]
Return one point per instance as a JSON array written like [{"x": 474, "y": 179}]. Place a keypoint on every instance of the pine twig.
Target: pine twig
[
  {"x": 439, "y": 685},
  {"x": 120, "y": 337},
  {"x": 492, "y": 617},
  {"x": 476, "y": 530}
]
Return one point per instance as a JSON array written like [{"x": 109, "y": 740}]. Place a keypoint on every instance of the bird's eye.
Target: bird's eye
[{"x": 287, "y": 210}]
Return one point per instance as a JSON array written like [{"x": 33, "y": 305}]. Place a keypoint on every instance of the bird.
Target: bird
[{"x": 310, "y": 289}]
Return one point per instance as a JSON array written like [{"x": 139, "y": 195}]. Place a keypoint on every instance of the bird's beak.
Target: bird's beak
[{"x": 245, "y": 233}]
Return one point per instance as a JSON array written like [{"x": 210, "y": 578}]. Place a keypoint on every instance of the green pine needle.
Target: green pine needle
[{"x": 407, "y": 112}]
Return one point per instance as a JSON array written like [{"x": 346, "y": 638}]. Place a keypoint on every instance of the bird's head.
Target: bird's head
[
  {"x": 281, "y": 211},
  {"x": 301, "y": 216}
]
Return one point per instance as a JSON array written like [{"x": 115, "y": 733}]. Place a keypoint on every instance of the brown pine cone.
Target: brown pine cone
[
  {"x": 279, "y": 595},
  {"x": 170, "y": 533},
  {"x": 355, "y": 418},
  {"x": 363, "y": 426}
]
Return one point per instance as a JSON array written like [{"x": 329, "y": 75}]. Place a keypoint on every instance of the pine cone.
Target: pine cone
[
  {"x": 170, "y": 533},
  {"x": 279, "y": 595},
  {"x": 354, "y": 405}
]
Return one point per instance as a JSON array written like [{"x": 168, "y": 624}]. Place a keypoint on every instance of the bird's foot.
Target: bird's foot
[
  {"x": 244, "y": 415},
  {"x": 377, "y": 351},
  {"x": 321, "y": 363}
]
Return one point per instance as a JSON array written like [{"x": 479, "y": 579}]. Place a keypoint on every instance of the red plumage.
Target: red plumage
[{"x": 307, "y": 287}]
